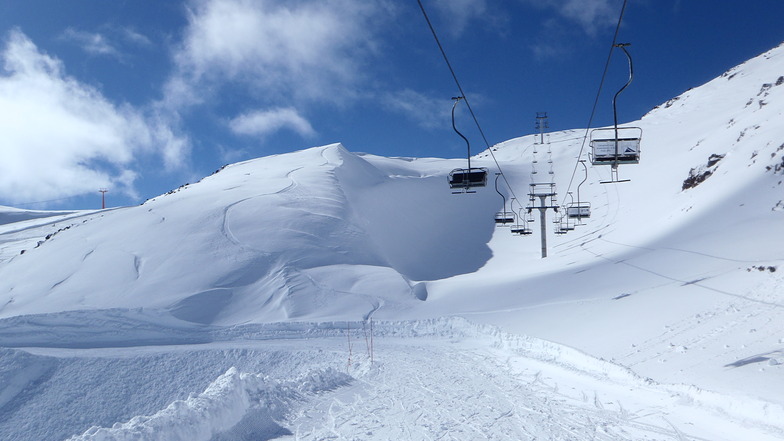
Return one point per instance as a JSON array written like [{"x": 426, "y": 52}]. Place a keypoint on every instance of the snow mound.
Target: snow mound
[
  {"x": 220, "y": 408},
  {"x": 316, "y": 233}
]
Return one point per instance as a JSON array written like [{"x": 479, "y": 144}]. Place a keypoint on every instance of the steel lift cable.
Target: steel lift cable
[
  {"x": 598, "y": 95},
  {"x": 465, "y": 97}
]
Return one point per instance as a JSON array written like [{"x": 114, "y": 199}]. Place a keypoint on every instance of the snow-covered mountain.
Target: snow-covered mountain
[{"x": 241, "y": 306}]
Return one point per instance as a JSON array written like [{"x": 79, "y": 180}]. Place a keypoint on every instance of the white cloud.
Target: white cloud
[
  {"x": 130, "y": 35},
  {"x": 174, "y": 148},
  {"x": 297, "y": 50},
  {"x": 106, "y": 44},
  {"x": 591, "y": 15},
  {"x": 426, "y": 111},
  {"x": 231, "y": 155},
  {"x": 261, "y": 123},
  {"x": 63, "y": 138},
  {"x": 459, "y": 13},
  {"x": 91, "y": 43}
]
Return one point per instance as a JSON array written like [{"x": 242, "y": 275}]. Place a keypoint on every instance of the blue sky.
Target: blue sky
[{"x": 141, "y": 96}]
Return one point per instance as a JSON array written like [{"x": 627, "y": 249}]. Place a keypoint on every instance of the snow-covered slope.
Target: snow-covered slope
[
  {"x": 240, "y": 305},
  {"x": 667, "y": 271},
  {"x": 312, "y": 234}
]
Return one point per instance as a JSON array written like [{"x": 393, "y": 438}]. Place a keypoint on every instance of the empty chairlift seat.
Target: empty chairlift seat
[
  {"x": 579, "y": 210},
  {"x": 465, "y": 178},
  {"x": 611, "y": 147},
  {"x": 504, "y": 217}
]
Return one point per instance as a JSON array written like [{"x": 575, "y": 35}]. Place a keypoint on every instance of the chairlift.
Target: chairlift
[
  {"x": 521, "y": 229},
  {"x": 563, "y": 224},
  {"x": 503, "y": 217},
  {"x": 579, "y": 210},
  {"x": 464, "y": 179},
  {"x": 616, "y": 145}
]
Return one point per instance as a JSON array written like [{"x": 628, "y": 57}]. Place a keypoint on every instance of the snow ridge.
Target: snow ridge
[{"x": 219, "y": 408}]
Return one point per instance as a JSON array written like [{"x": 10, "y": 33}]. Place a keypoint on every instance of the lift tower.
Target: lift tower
[
  {"x": 543, "y": 191},
  {"x": 103, "y": 198},
  {"x": 541, "y": 125}
]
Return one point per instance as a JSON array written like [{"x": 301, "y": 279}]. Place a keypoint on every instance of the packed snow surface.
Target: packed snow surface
[{"x": 325, "y": 294}]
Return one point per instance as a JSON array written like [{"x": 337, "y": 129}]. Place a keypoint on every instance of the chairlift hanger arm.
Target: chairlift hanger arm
[
  {"x": 582, "y": 161},
  {"x": 498, "y": 175},
  {"x": 599, "y": 91},
  {"x": 468, "y": 145},
  {"x": 622, "y": 46}
]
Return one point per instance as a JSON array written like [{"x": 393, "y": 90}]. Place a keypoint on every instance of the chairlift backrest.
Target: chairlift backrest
[
  {"x": 579, "y": 210},
  {"x": 606, "y": 148},
  {"x": 468, "y": 177},
  {"x": 504, "y": 217}
]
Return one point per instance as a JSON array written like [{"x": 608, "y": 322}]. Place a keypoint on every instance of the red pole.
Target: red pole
[{"x": 103, "y": 198}]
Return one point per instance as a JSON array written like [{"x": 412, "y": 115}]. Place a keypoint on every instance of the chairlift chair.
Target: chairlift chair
[
  {"x": 564, "y": 227},
  {"x": 579, "y": 210},
  {"x": 521, "y": 230},
  {"x": 616, "y": 145},
  {"x": 503, "y": 217},
  {"x": 467, "y": 178},
  {"x": 521, "y": 227},
  {"x": 464, "y": 179}
]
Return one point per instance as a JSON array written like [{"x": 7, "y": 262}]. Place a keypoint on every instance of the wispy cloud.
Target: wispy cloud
[
  {"x": 92, "y": 43},
  {"x": 427, "y": 112},
  {"x": 459, "y": 13},
  {"x": 264, "y": 122},
  {"x": 132, "y": 36},
  {"x": 63, "y": 138},
  {"x": 567, "y": 24},
  {"x": 115, "y": 42},
  {"x": 590, "y": 15}
]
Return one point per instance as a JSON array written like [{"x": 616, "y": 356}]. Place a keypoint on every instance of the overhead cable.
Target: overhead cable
[
  {"x": 465, "y": 97},
  {"x": 598, "y": 94}
]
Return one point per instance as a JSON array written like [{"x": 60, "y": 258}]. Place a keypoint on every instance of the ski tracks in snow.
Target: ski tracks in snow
[
  {"x": 432, "y": 391},
  {"x": 443, "y": 379},
  {"x": 225, "y": 227}
]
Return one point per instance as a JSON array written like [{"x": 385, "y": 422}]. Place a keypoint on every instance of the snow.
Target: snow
[{"x": 325, "y": 294}]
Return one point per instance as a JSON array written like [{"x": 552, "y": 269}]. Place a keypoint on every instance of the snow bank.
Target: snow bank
[
  {"x": 10, "y": 215},
  {"x": 107, "y": 328},
  {"x": 219, "y": 408}
]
